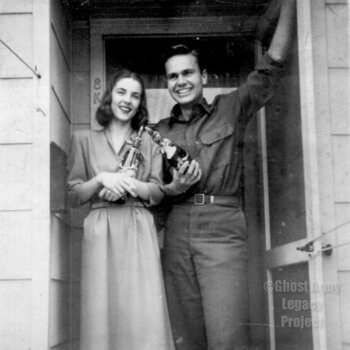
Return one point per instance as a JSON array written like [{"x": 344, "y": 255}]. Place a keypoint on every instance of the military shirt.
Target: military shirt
[{"x": 214, "y": 133}]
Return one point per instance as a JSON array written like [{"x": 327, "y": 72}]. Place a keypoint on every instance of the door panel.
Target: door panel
[
  {"x": 292, "y": 307},
  {"x": 296, "y": 313},
  {"x": 285, "y": 159}
]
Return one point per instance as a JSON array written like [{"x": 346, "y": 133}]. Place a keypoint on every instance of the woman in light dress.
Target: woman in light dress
[{"x": 123, "y": 305}]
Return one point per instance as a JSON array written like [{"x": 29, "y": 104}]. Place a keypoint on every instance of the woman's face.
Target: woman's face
[{"x": 126, "y": 99}]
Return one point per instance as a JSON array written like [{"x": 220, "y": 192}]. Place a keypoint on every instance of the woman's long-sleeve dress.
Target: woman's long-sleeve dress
[{"x": 123, "y": 304}]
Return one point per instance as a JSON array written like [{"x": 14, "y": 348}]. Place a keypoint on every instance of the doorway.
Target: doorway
[
  {"x": 228, "y": 60},
  {"x": 274, "y": 189}
]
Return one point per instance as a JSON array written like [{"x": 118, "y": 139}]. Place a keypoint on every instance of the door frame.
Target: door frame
[
  {"x": 188, "y": 26},
  {"x": 288, "y": 254}
]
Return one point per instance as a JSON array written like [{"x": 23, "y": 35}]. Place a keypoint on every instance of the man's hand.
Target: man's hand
[
  {"x": 283, "y": 36},
  {"x": 184, "y": 178}
]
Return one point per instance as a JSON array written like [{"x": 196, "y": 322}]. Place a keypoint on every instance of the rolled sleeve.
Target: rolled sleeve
[
  {"x": 260, "y": 85},
  {"x": 155, "y": 181}
]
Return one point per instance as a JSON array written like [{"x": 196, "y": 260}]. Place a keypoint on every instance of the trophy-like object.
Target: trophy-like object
[{"x": 174, "y": 154}]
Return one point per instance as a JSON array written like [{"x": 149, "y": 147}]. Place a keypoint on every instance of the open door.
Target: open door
[{"x": 294, "y": 282}]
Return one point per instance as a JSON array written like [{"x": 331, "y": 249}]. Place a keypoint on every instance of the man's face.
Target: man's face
[{"x": 185, "y": 80}]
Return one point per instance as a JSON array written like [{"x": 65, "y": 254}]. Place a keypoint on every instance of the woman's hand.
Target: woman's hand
[
  {"x": 116, "y": 185},
  {"x": 108, "y": 195}
]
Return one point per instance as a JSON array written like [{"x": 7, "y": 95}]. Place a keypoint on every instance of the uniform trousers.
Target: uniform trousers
[{"x": 205, "y": 270}]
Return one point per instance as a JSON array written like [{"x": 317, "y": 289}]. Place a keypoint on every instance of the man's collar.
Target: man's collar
[{"x": 200, "y": 109}]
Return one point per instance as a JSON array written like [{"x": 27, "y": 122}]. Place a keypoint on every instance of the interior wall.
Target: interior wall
[
  {"x": 80, "y": 121},
  {"x": 60, "y": 336}
]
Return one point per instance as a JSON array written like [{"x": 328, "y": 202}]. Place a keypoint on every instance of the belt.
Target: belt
[
  {"x": 105, "y": 204},
  {"x": 202, "y": 199}
]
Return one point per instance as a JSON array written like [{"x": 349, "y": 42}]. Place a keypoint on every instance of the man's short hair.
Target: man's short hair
[{"x": 181, "y": 50}]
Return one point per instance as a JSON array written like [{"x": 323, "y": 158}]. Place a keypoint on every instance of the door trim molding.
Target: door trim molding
[
  {"x": 311, "y": 170},
  {"x": 154, "y": 27},
  {"x": 232, "y": 25}
]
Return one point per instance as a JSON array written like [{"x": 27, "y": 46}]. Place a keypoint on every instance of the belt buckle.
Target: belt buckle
[{"x": 199, "y": 199}]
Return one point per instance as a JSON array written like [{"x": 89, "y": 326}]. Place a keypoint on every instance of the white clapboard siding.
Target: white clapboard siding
[
  {"x": 16, "y": 176},
  {"x": 337, "y": 24},
  {"x": 343, "y": 237},
  {"x": 338, "y": 35},
  {"x": 16, "y": 109},
  {"x": 341, "y": 149},
  {"x": 18, "y": 6},
  {"x": 15, "y": 311},
  {"x": 339, "y": 86},
  {"x": 15, "y": 245},
  {"x": 19, "y": 38},
  {"x": 344, "y": 283}
]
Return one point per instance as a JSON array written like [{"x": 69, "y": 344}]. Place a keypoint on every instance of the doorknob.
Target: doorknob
[{"x": 326, "y": 250}]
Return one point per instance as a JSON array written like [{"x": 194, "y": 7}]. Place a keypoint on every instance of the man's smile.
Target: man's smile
[{"x": 183, "y": 91}]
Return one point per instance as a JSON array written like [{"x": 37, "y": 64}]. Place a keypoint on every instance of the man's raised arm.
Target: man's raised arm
[{"x": 283, "y": 34}]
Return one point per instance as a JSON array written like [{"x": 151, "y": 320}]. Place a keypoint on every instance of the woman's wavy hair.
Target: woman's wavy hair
[{"x": 104, "y": 113}]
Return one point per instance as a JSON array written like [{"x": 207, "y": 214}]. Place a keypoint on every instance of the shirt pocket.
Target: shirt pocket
[{"x": 217, "y": 146}]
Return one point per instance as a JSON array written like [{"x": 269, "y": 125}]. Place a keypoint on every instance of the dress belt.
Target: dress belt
[
  {"x": 202, "y": 199},
  {"x": 128, "y": 203}
]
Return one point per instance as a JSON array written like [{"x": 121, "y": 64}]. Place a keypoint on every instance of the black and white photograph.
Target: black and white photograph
[{"x": 174, "y": 175}]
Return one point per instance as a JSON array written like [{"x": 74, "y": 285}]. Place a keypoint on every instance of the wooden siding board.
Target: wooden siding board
[
  {"x": 19, "y": 38},
  {"x": 344, "y": 280},
  {"x": 81, "y": 97},
  {"x": 60, "y": 250},
  {"x": 339, "y": 80},
  {"x": 341, "y": 168},
  {"x": 15, "y": 244},
  {"x": 64, "y": 346},
  {"x": 16, "y": 191},
  {"x": 59, "y": 312},
  {"x": 60, "y": 124},
  {"x": 75, "y": 345},
  {"x": 75, "y": 310},
  {"x": 343, "y": 236},
  {"x": 10, "y": 6},
  {"x": 76, "y": 237},
  {"x": 83, "y": 126},
  {"x": 329, "y": 2},
  {"x": 60, "y": 24},
  {"x": 338, "y": 35},
  {"x": 81, "y": 50},
  {"x": 16, "y": 110},
  {"x": 15, "y": 315},
  {"x": 60, "y": 74}
]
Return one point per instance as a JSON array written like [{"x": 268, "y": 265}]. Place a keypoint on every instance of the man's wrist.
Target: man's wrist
[{"x": 173, "y": 189}]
